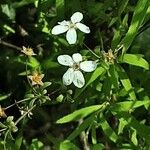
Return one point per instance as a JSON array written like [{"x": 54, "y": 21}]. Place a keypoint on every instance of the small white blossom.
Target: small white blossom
[
  {"x": 76, "y": 64},
  {"x": 70, "y": 27}
]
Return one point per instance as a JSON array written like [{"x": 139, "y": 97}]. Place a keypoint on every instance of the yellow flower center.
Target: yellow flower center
[
  {"x": 76, "y": 66},
  {"x": 72, "y": 25},
  {"x": 36, "y": 78}
]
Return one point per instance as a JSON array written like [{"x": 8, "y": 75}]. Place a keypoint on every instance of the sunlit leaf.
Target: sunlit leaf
[
  {"x": 137, "y": 20},
  {"x": 67, "y": 145},
  {"x": 107, "y": 129},
  {"x": 135, "y": 60},
  {"x": 78, "y": 114}
]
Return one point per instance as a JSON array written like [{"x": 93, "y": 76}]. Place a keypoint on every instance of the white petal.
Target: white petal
[
  {"x": 71, "y": 36},
  {"x": 88, "y": 66},
  {"x": 77, "y": 57},
  {"x": 83, "y": 27},
  {"x": 76, "y": 17},
  {"x": 58, "y": 29},
  {"x": 78, "y": 79},
  {"x": 64, "y": 23},
  {"x": 65, "y": 60},
  {"x": 68, "y": 76}
]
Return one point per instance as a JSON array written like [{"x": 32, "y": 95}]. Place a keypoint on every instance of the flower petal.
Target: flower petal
[
  {"x": 65, "y": 60},
  {"x": 76, "y": 17},
  {"x": 77, "y": 57},
  {"x": 88, "y": 66},
  {"x": 83, "y": 27},
  {"x": 58, "y": 29},
  {"x": 64, "y": 23},
  {"x": 71, "y": 36},
  {"x": 78, "y": 79},
  {"x": 68, "y": 76}
]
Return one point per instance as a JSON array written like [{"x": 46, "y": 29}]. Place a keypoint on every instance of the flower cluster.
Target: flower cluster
[
  {"x": 27, "y": 51},
  {"x": 75, "y": 63}
]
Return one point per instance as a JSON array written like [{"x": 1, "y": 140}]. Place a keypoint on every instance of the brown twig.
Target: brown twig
[{"x": 10, "y": 45}]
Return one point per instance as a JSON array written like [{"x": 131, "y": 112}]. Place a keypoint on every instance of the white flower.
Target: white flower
[
  {"x": 70, "y": 27},
  {"x": 75, "y": 63}
]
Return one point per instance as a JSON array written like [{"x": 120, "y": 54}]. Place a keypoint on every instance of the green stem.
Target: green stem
[
  {"x": 24, "y": 115},
  {"x": 91, "y": 51}
]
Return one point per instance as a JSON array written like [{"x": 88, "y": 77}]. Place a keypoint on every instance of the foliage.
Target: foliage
[{"x": 108, "y": 104}]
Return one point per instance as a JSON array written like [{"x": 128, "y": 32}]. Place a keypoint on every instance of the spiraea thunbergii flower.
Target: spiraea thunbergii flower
[
  {"x": 36, "y": 78},
  {"x": 2, "y": 112},
  {"x": 28, "y": 51},
  {"x": 75, "y": 64},
  {"x": 70, "y": 27}
]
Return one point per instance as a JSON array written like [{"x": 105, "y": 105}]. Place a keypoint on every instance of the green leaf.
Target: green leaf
[
  {"x": 134, "y": 137},
  {"x": 36, "y": 145},
  {"x": 67, "y": 145},
  {"x": 118, "y": 34},
  {"x": 22, "y": 3},
  {"x": 98, "y": 146},
  {"x": 116, "y": 39},
  {"x": 107, "y": 129},
  {"x": 142, "y": 130},
  {"x": 126, "y": 83},
  {"x": 135, "y": 60},
  {"x": 121, "y": 126},
  {"x": 84, "y": 125},
  {"x": 33, "y": 62},
  {"x": 137, "y": 20},
  {"x": 97, "y": 73},
  {"x": 5, "y": 96},
  {"x": 122, "y": 5},
  {"x": 147, "y": 17},
  {"x": 9, "y": 11},
  {"x": 78, "y": 114},
  {"x": 93, "y": 135},
  {"x": 18, "y": 142},
  {"x": 114, "y": 77},
  {"x": 60, "y": 8},
  {"x": 128, "y": 105}
]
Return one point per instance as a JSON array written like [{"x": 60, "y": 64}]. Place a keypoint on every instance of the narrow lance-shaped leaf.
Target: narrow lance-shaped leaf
[
  {"x": 60, "y": 8},
  {"x": 137, "y": 20},
  {"x": 78, "y": 114},
  {"x": 107, "y": 129},
  {"x": 135, "y": 60},
  {"x": 82, "y": 127},
  {"x": 128, "y": 105},
  {"x": 126, "y": 82},
  {"x": 67, "y": 145}
]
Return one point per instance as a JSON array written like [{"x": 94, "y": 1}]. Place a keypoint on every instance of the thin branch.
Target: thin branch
[
  {"x": 25, "y": 114},
  {"x": 84, "y": 138},
  {"x": 23, "y": 100},
  {"x": 10, "y": 45},
  {"x": 91, "y": 51}
]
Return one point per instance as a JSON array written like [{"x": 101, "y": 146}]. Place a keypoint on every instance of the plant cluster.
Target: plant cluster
[{"x": 80, "y": 83}]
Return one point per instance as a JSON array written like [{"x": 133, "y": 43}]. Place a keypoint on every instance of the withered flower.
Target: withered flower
[
  {"x": 109, "y": 56},
  {"x": 36, "y": 78},
  {"x": 2, "y": 112},
  {"x": 28, "y": 51}
]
